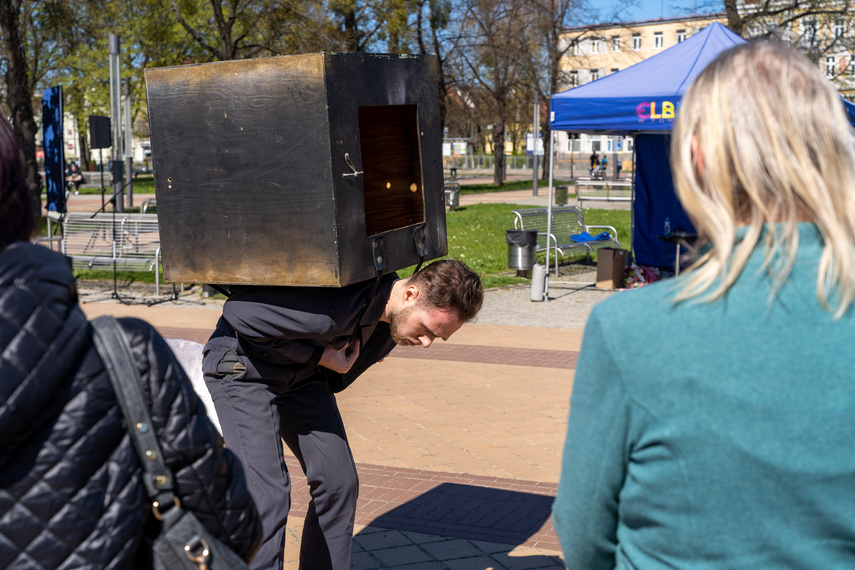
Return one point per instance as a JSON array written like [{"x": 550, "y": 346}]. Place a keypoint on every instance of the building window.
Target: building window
[
  {"x": 658, "y": 41},
  {"x": 615, "y": 43},
  {"x": 636, "y": 42},
  {"x": 615, "y": 70},
  {"x": 809, "y": 30},
  {"x": 681, "y": 36},
  {"x": 595, "y": 74},
  {"x": 574, "y": 78},
  {"x": 595, "y": 46},
  {"x": 839, "y": 28},
  {"x": 577, "y": 48},
  {"x": 829, "y": 66},
  {"x": 595, "y": 144}
]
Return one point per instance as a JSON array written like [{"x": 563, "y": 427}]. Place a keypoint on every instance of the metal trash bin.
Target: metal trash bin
[
  {"x": 452, "y": 196},
  {"x": 560, "y": 195},
  {"x": 521, "y": 249}
]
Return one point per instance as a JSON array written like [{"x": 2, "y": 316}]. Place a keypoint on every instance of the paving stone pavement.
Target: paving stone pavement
[{"x": 458, "y": 446}]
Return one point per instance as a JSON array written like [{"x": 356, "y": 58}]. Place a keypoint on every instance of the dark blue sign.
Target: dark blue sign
[{"x": 54, "y": 151}]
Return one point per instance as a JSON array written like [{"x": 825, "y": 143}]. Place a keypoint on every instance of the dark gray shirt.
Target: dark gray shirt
[{"x": 288, "y": 327}]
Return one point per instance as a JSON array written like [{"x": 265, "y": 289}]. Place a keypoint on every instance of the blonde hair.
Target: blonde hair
[{"x": 775, "y": 148}]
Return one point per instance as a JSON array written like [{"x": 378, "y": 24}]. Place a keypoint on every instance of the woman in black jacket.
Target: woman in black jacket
[{"x": 71, "y": 493}]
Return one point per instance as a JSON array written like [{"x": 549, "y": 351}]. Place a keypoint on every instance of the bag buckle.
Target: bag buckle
[
  {"x": 197, "y": 551},
  {"x": 155, "y": 508}
]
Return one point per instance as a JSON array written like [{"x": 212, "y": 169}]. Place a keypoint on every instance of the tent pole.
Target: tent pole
[
  {"x": 632, "y": 206},
  {"x": 549, "y": 217}
]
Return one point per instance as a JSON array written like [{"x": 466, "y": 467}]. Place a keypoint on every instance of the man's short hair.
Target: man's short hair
[{"x": 451, "y": 284}]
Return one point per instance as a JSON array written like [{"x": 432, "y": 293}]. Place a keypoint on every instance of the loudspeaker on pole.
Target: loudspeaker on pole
[{"x": 99, "y": 132}]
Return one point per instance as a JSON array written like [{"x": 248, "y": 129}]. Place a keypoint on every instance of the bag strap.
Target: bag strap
[{"x": 113, "y": 346}]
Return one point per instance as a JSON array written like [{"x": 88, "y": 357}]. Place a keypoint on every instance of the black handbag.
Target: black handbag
[{"x": 183, "y": 543}]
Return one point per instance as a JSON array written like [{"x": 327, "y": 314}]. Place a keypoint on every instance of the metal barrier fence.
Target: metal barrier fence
[{"x": 568, "y": 165}]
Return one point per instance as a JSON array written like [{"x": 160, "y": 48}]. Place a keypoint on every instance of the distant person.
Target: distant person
[
  {"x": 595, "y": 161},
  {"x": 71, "y": 484},
  {"x": 74, "y": 178},
  {"x": 711, "y": 421}
]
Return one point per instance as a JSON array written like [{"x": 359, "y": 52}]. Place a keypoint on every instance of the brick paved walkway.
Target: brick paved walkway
[{"x": 458, "y": 447}]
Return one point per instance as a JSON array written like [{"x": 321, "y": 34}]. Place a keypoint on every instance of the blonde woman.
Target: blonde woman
[{"x": 712, "y": 422}]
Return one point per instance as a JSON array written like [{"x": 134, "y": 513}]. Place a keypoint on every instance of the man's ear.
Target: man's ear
[{"x": 411, "y": 295}]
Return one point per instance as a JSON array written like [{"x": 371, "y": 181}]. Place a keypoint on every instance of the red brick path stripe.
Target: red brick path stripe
[{"x": 540, "y": 358}]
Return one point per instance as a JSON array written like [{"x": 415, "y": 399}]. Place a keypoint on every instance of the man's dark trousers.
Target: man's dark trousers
[{"x": 254, "y": 416}]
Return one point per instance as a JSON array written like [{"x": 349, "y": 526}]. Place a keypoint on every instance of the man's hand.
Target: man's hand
[{"x": 340, "y": 360}]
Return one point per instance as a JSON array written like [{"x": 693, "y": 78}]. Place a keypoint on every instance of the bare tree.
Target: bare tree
[
  {"x": 821, "y": 29},
  {"x": 362, "y": 23},
  {"x": 432, "y": 20},
  {"x": 818, "y": 28},
  {"x": 233, "y": 29},
  {"x": 547, "y": 19},
  {"x": 492, "y": 62}
]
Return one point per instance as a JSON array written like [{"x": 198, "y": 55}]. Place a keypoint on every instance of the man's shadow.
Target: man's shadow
[{"x": 492, "y": 522}]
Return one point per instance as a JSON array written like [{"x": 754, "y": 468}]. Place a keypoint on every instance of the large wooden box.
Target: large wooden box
[{"x": 314, "y": 170}]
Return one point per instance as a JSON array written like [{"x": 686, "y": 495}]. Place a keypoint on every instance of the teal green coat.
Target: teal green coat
[{"x": 713, "y": 435}]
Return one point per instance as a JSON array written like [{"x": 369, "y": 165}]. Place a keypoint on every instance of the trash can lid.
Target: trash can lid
[{"x": 521, "y": 237}]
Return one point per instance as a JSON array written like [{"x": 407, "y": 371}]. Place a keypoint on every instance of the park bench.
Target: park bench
[
  {"x": 130, "y": 242},
  {"x": 148, "y": 203},
  {"x": 603, "y": 190},
  {"x": 567, "y": 233}
]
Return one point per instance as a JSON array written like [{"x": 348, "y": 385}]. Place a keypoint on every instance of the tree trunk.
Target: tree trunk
[
  {"x": 224, "y": 32},
  {"x": 734, "y": 20},
  {"x": 351, "y": 37},
  {"x": 83, "y": 145},
  {"x": 18, "y": 95},
  {"x": 499, "y": 154},
  {"x": 440, "y": 77}
]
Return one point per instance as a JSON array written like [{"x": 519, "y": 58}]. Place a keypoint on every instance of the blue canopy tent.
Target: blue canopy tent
[{"x": 643, "y": 100}]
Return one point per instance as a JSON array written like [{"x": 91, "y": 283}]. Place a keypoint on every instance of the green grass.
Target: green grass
[
  {"x": 513, "y": 185},
  {"x": 476, "y": 236},
  {"x": 122, "y": 277}
]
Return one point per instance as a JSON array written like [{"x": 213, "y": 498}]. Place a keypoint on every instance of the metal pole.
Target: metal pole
[
  {"x": 536, "y": 130},
  {"x": 632, "y": 205},
  {"x": 129, "y": 153},
  {"x": 549, "y": 217},
  {"x": 116, "y": 122}
]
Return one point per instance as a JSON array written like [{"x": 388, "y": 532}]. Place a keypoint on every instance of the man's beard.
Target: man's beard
[{"x": 396, "y": 322}]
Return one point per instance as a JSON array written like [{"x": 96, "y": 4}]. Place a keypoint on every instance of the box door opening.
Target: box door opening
[{"x": 392, "y": 167}]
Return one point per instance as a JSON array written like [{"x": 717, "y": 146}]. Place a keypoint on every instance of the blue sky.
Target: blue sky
[
  {"x": 653, "y": 9},
  {"x": 650, "y": 9}
]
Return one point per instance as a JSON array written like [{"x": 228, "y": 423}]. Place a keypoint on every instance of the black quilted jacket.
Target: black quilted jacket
[{"x": 71, "y": 494}]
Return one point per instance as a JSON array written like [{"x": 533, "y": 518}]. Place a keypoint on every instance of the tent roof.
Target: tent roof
[{"x": 645, "y": 96}]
